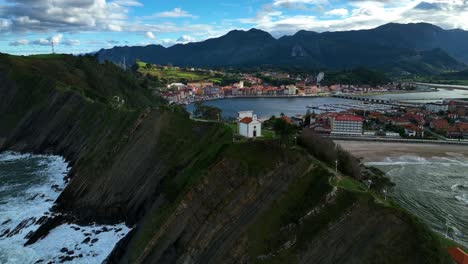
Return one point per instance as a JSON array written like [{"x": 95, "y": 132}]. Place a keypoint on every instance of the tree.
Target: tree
[
  {"x": 308, "y": 117},
  {"x": 206, "y": 112},
  {"x": 284, "y": 130}
]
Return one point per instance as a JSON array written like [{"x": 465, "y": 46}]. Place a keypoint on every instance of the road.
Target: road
[{"x": 402, "y": 140}]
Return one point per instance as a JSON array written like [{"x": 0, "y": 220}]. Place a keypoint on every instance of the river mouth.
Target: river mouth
[
  {"x": 29, "y": 185},
  {"x": 434, "y": 189}
]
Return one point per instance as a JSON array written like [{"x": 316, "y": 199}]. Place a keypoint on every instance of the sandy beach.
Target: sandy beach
[{"x": 377, "y": 151}]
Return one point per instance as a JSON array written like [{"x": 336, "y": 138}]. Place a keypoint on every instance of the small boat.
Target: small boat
[{"x": 312, "y": 106}]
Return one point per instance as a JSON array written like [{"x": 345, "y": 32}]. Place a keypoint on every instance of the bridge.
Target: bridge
[{"x": 366, "y": 99}]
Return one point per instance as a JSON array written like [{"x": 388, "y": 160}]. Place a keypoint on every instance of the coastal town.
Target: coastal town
[
  {"x": 446, "y": 121},
  {"x": 250, "y": 86},
  {"x": 187, "y": 85},
  {"x": 443, "y": 120}
]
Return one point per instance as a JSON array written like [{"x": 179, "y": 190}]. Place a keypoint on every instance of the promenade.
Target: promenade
[{"x": 401, "y": 140}]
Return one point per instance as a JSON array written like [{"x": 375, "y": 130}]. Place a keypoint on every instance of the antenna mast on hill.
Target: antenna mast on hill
[{"x": 53, "y": 46}]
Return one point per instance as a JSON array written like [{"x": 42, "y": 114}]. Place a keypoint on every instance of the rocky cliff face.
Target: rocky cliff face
[
  {"x": 192, "y": 195},
  {"x": 290, "y": 211}
]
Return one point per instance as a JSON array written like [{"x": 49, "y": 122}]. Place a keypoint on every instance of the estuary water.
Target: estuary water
[
  {"x": 434, "y": 189},
  {"x": 265, "y": 107},
  {"x": 29, "y": 185}
]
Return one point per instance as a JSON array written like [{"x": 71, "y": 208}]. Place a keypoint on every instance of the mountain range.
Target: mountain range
[{"x": 419, "y": 48}]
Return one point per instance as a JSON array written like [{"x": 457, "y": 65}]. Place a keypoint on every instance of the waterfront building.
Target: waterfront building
[
  {"x": 292, "y": 89},
  {"x": 414, "y": 131},
  {"x": 346, "y": 124},
  {"x": 436, "y": 107}
]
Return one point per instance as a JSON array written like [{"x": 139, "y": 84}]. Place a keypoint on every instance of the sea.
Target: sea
[
  {"x": 434, "y": 189},
  {"x": 29, "y": 186}
]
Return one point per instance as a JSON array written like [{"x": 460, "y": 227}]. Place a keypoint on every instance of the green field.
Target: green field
[{"x": 170, "y": 74}]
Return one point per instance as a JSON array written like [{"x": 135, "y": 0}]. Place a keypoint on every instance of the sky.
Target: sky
[{"x": 82, "y": 26}]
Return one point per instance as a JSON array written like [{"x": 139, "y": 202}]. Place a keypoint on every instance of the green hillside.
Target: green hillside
[{"x": 161, "y": 75}]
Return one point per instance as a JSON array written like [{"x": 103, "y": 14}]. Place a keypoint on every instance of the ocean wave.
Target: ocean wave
[
  {"x": 20, "y": 212},
  {"x": 416, "y": 160},
  {"x": 433, "y": 188},
  {"x": 462, "y": 198},
  {"x": 459, "y": 186},
  {"x": 12, "y": 156}
]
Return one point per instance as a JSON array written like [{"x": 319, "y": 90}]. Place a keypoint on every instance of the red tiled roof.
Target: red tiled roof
[
  {"x": 286, "y": 119},
  {"x": 458, "y": 255},
  {"x": 440, "y": 123},
  {"x": 463, "y": 126},
  {"x": 246, "y": 120},
  {"x": 413, "y": 128},
  {"x": 348, "y": 118}
]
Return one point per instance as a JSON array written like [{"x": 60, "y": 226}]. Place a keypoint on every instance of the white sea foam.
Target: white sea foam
[
  {"x": 459, "y": 186},
  {"x": 12, "y": 156},
  {"x": 462, "y": 198},
  {"x": 28, "y": 205},
  {"x": 416, "y": 160},
  {"x": 432, "y": 188}
]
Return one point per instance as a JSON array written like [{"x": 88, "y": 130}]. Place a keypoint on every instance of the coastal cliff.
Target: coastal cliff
[{"x": 190, "y": 194}]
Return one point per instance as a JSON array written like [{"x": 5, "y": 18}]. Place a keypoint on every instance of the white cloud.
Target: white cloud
[
  {"x": 56, "y": 39},
  {"x": 185, "y": 39},
  {"x": 181, "y": 40},
  {"x": 4, "y": 24},
  {"x": 41, "y": 42},
  {"x": 128, "y": 3},
  {"x": 150, "y": 35},
  {"x": 338, "y": 12},
  {"x": 20, "y": 42},
  {"x": 304, "y": 5},
  {"x": 71, "y": 42},
  {"x": 114, "y": 27},
  {"x": 289, "y": 3},
  {"x": 175, "y": 13},
  {"x": 359, "y": 14},
  {"x": 65, "y": 15}
]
